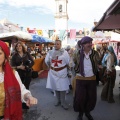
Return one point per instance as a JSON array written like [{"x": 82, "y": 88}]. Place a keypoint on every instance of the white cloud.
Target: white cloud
[
  {"x": 49, "y": 4},
  {"x": 2, "y": 1},
  {"x": 80, "y": 11},
  {"x": 87, "y": 10}
]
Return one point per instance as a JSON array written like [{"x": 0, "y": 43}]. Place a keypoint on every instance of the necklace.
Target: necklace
[{"x": 1, "y": 77}]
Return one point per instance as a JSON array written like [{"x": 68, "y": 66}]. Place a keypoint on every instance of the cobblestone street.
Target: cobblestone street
[{"x": 45, "y": 110}]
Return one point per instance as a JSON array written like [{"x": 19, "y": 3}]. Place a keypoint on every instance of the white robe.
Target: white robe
[{"x": 58, "y": 80}]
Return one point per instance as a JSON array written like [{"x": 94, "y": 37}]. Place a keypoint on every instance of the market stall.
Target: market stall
[
  {"x": 41, "y": 45},
  {"x": 110, "y": 21}
]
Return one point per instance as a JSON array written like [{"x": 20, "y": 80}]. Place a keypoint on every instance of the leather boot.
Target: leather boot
[
  {"x": 80, "y": 116},
  {"x": 57, "y": 103},
  {"x": 89, "y": 116},
  {"x": 111, "y": 100},
  {"x": 63, "y": 102}
]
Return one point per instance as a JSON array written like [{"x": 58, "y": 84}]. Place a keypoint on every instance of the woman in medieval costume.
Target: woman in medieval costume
[
  {"x": 12, "y": 91},
  {"x": 110, "y": 60}
]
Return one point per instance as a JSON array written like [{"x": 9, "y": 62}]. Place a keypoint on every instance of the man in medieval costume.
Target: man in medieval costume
[
  {"x": 86, "y": 63},
  {"x": 58, "y": 60}
]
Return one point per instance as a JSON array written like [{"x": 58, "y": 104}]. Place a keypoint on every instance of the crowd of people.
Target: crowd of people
[
  {"x": 79, "y": 69},
  {"x": 83, "y": 68},
  {"x": 37, "y": 52}
]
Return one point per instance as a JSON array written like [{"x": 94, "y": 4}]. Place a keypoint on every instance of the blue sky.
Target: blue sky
[{"x": 40, "y": 13}]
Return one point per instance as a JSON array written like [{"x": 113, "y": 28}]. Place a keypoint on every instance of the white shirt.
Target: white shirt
[{"x": 88, "y": 71}]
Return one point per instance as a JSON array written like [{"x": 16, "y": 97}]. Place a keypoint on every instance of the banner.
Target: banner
[
  {"x": 72, "y": 33},
  {"x": 32, "y": 31},
  {"x": 50, "y": 33},
  {"x": 21, "y": 28},
  {"x": 86, "y": 32},
  {"x": 80, "y": 32},
  {"x": 62, "y": 34},
  {"x": 40, "y": 32}
]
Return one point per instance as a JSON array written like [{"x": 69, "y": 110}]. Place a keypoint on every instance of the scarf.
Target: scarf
[
  {"x": 13, "y": 105},
  {"x": 57, "y": 53},
  {"x": 104, "y": 60},
  {"x": 84, "y": 40},
  {"x": 110, "y": 48}
]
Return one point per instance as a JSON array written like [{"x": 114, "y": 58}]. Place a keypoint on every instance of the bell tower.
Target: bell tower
[
  {"x": 61, "y": 15},
  {"x": 61, "y": 19}
]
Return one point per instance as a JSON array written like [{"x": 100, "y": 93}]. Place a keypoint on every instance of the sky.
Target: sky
[{"x": 40, "y": 13}]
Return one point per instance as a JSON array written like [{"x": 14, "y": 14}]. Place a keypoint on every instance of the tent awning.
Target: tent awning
[
  {"x": 110, "y": 21},
  {"x": 18, "y": 34},
  {"x": 5, "y": 21},
  {"x": 40, "y": 39}
]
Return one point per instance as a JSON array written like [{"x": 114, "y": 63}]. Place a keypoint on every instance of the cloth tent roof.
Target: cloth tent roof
[
  {"x": 17, "y": 34},
  {"x": 110, "y": 21},
  {"x": 40, "y": 39},
  {"x": 7, "y": 26},
  {"x": 5, "y": 21}
]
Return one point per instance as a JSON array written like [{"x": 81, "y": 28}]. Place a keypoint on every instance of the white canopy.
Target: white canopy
[
  {"x": 18, "y": 34},
  {"x": 5, "y": 21},
  {"x": 7, "y": 26}
]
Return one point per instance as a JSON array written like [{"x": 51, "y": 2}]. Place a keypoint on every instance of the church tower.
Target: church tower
[{"x": 61, "y": 17}]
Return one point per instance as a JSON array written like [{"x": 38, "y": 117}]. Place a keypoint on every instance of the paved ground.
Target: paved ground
[{"x": 45, "y": 110}]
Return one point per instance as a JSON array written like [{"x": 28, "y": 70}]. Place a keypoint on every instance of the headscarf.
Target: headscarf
[
  {"x": 84, "y": 40},
  {"x": 13, "y": 105},
  {"x": 68, "y": 48},
  {"x": 104, "y": 60},
  {"x": 110, "y": 48}
]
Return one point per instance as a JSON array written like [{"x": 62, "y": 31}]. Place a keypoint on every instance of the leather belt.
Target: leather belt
[
  {"x": 85, "y": 78},
  {"x": 58, "y": 69}
]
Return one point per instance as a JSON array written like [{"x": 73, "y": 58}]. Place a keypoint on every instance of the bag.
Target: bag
[{"x": 34, "y": 74}]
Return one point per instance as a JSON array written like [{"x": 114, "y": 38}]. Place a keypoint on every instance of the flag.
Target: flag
[
  {"x": 72, "y": 33},
  {"x": 28, "y": 29},
  {"x": 62, "y": 34},
  {"x": 86, "y": 32},
  {"x": 40, "y": 32},
  {"x": 21, "y": 28},
  {"x": 50, "y": 32},
  {"x": 80, "y": 32},
  {"x": 32, "y": 31}
]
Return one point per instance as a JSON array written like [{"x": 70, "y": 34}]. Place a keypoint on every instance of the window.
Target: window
[{"x": 60, "y": 8}]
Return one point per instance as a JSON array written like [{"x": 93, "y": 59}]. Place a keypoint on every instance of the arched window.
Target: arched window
[{"x": 60, "y": 8}]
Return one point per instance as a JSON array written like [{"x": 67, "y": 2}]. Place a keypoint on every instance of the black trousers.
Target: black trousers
[
  {"x": 85, "y": 96},
  {"x": 97, "y": 78},
  {"x": 26, "y": 81}
]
